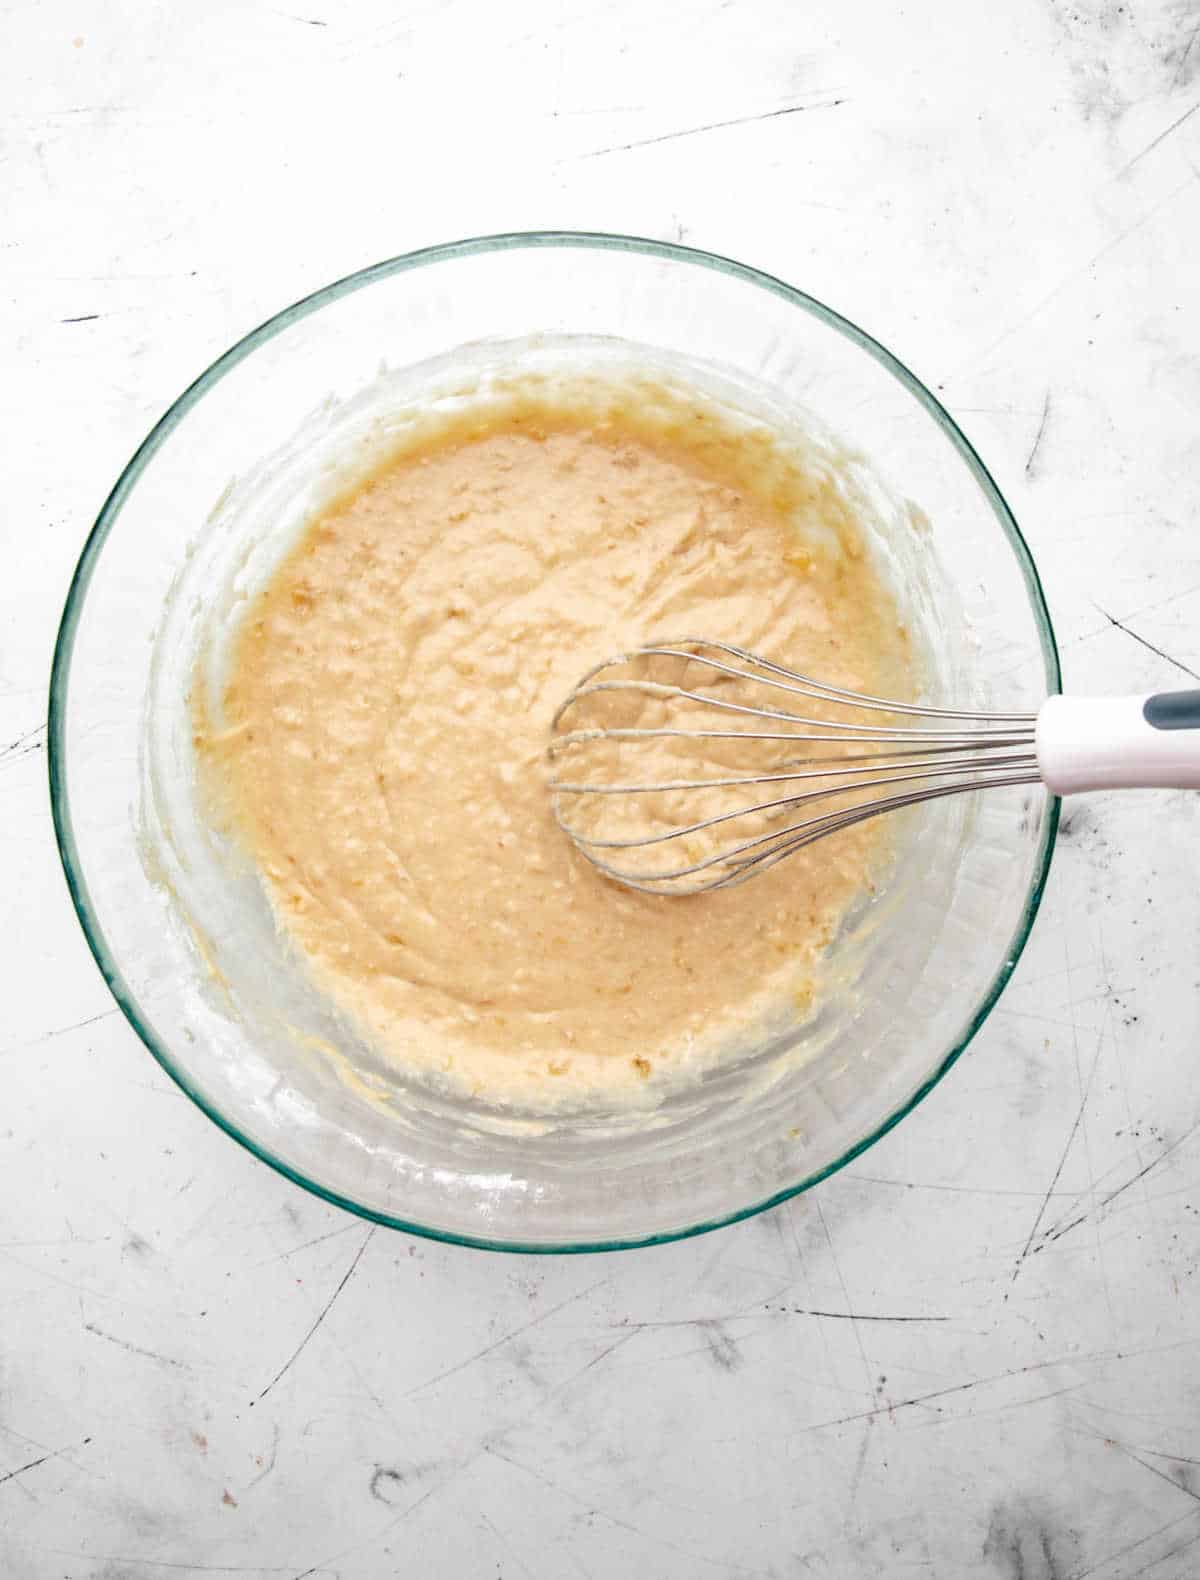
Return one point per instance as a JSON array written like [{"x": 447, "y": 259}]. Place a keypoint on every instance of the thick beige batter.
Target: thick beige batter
[{"x": 380, "y": 743}]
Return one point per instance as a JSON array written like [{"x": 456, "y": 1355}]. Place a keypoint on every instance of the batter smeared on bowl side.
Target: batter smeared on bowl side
[{"x": 378, "y": 746}]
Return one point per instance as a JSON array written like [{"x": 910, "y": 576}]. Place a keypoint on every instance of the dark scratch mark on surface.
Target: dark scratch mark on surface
[
  {"x": 32, "y": 1465},
  {"x": 1178, "y": 1459},
  {"x": 254, "y": 1572},
  {"x": 134, "y": 1349},
  {"x": 1037, "y": 438},
  {"x": 1057, "y": 1233},
  {"x": 1173, "y": 1552},
  {"x": 854, "y": 1316},
  {"x": 1122, "y": 1552},
  {"x": 1162, "y": 136},
  {"x": 508, "y": 1547},
  {"x": 1181, "y": 70},
  {"x": 601, "y": 1355},
  {"x": 60, "y": 1031},
  {"x": 41, "y": 1460},
  {"x": 321, "y": 1315},
  {"x": 749, "y": 1312},
  {"x": 1041, "y": 1212},
  {"x": 1161, "y": 603},
  {"x": 83, "y": 318},
  {"x": 1016, "y": 1404},
  {"x": 1171, "y": 1481},
  {"x": 713, "y": 126},
  {"x": 944, "y": 1393},
  {"x": 1112, "y": 620},
  {"x": 305, "y": 1245},
  {"x": 837, "y": 1267},
  {"x": 32, "y": 741},
  {"x": 506, "y": 1338},
  {"x": 957, "y": 1190}
]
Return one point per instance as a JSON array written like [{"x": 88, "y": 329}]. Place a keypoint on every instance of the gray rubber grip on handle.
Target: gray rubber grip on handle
[{"x": 1173, "y": 710}]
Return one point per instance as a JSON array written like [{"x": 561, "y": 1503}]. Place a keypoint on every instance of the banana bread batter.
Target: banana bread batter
[{"x": 378, "y": 748}]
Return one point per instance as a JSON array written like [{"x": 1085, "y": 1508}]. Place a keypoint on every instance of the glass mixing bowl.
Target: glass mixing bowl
[{"x": 192, "y": 958}]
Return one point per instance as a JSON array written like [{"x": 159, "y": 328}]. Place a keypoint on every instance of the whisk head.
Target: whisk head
[{"x": 691, "y": 765}]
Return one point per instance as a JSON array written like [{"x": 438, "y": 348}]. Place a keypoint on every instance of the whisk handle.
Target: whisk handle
[{"x": 1120, "y": 743}]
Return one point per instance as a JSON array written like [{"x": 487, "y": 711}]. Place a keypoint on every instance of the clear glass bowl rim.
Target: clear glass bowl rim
[{"x": 107, "y": 519}]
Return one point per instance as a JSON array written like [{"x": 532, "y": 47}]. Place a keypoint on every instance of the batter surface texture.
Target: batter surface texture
[{"x": 379, "y": 745}]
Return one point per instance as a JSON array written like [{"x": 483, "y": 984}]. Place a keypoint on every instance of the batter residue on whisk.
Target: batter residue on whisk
[{"x": 378, "y": 747}]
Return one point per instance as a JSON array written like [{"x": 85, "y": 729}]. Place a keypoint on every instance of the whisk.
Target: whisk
[{"x": 790, "y": 760}]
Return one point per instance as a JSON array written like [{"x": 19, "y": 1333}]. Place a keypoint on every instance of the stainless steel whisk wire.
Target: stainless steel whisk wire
[{"x": 949, "y": 752}]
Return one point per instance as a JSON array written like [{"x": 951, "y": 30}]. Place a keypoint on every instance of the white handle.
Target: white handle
[{"x": 1120, "y": 743}]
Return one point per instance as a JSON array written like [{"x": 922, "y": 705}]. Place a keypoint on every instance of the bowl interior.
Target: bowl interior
[{"x": 189, "y": 948}]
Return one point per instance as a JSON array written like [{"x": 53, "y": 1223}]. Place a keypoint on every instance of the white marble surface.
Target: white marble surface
[{"x": 977, "y": 1350}]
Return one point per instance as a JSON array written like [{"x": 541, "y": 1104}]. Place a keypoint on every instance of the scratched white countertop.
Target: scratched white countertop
[{"x": 976, "y": 1351}]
